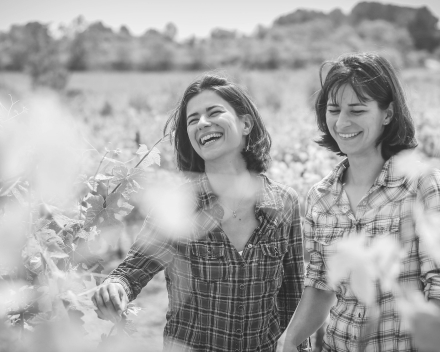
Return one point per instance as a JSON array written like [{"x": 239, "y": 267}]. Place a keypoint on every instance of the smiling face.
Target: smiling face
[
  {"x": 354, "y": 124},
  {"x": 214, "y": 129}
]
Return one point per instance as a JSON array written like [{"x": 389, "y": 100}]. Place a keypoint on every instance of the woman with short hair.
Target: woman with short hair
[
  {"x": 363, "y": 115},
  {"x": 236, "y": 278}
]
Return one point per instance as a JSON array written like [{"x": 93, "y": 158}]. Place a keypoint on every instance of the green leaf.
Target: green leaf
[
  {"x": 119, "y": 174},
  {"x": 132, "y": 183},
  {"x": 88, "y": 235},
  {"x": 50, "y": 239},
  {"x": 32, "y": 248},
  {"x": 152, "y": 158},
  {"x": 102, "y": 177},
  {"x": 101, "y": 217},
  {"x": 143, "y": 149}
]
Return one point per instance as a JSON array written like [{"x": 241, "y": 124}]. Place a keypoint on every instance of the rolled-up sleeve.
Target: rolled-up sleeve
[
  {"x": 316, "y": 271},
  {"x": 429, "y": 188}
]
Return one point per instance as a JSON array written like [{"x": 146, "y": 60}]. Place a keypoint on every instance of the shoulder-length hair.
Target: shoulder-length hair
[
  {"x": 372, "y": 77},
  {"x": 256, "y": 156}
]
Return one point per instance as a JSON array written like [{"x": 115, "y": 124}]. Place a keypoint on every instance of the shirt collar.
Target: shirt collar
[
  {"x": 387, "y": 177},
  {"x": 269, "y": 200}
]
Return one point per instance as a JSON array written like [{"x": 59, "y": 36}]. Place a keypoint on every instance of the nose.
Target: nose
[
  {"x": 203, "y": 122},
  {"x": 343, "y": 121}
]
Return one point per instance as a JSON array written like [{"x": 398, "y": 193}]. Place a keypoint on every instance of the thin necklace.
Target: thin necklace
[{"x": 237, "y": 207}]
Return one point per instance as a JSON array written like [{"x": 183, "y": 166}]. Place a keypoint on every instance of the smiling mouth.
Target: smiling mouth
[
  {"x": 210, "y": 138},
  {"x": 348, "y": 135}
]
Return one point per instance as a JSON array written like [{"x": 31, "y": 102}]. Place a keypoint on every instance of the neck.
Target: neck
[
  {"x": 363, "y": 171},
  {"x": 230, "y": 185}
]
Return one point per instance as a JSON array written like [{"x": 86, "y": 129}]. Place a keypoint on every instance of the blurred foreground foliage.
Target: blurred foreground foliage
[{"x": 54, "y": 238}]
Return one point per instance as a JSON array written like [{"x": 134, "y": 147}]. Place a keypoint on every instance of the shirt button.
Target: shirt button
[
  {"x": 242, "y": 287},
  {"x": 241, "y": 307},
  {"x": 243, "y": 265},
  {"x": 344, "y": 208},
  {"x": 238, "y": 330},
  {"x": 249, "y": 245}
]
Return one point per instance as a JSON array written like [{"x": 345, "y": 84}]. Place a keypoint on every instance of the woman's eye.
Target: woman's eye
[
  {"x": 215, "y": 113},
  {"x": 357, "y": 112},
  {"x": 333, "y": 111},
  {"x": 190, "y": 122}
]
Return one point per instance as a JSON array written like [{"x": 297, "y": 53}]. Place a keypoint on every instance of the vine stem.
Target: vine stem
[
  {"x": 99, "y": 166},
  {"x": 140, "y": 161}
]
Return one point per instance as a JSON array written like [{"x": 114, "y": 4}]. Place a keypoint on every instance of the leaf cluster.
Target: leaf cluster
[{"x": 61, "y": 257}]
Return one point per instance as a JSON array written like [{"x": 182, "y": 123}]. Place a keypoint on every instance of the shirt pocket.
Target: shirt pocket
[
  {"x": 327, "y": 235},
  {"x": 272, "y": 255},
  {"x": 383, "y": 227},
  {"x": 208, "y": 261},
  {"x": 325, "y": 241}
]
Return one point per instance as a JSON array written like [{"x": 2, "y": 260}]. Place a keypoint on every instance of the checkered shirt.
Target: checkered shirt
[
  {"x": 219, "y": 300},
  {"x": 385, "y": 210}
]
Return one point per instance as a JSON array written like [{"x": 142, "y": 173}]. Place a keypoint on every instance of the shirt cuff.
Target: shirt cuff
[
  {"x": 319, "y": 284},
  {"x": 432, "y": 288},
  {"x": 125, "y": 284}
]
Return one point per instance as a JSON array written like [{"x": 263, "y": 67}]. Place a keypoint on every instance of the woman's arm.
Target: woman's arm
[
  {"x": 292, "y": 286},
  {"x": 310, "y": 314},
  {"x": 152, "y": 251}
]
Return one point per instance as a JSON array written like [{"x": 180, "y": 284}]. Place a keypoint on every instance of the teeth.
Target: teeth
[
  {"x": 348, "y": 135},
  {"x": 212, "y": 135}
]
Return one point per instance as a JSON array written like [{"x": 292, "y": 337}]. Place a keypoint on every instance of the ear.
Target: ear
[
  {"x": 248, "y": 122},
  {"x": 389, "y": 114}
]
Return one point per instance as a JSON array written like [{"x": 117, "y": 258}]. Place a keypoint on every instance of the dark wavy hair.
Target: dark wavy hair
[
  {"x": 257, "y": 158},
  {"x": 372, "y": 77}
]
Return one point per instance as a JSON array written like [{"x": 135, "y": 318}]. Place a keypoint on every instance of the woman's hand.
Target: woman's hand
[{"x": 110, "y": 301}]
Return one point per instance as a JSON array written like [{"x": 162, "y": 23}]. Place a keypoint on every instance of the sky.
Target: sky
[{"x": 192, "y": 17}]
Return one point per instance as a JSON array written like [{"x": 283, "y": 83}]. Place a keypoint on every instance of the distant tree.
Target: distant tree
[
  {"x": 399, "y": 15},
  {"x": 157, "y": 51},
  {"x": 383, "y": 34},
  {"x": 124, "y": 31},
  {"x": 299, "y": 16},
  {"x": 423, "y": 30},
  {"x": 337, "y": 16},
  {"x": 78, "y": 52},
  {"x": 170, "y": 31},
  {"x": 34, "y": 51},
  {"x": 220, "y": 33}
]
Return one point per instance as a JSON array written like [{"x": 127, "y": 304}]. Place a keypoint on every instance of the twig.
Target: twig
[
  {"x": 143, "y": 158},
  {"x": 99, "y": 166}
]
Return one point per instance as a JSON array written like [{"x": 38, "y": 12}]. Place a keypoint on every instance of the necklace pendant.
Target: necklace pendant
[{"x": 234, "y": 213}]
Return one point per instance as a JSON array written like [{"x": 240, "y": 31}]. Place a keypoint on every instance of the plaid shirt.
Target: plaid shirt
[
  {"x": 386, "y": 209},
  {"x": 221, "y": 301}
]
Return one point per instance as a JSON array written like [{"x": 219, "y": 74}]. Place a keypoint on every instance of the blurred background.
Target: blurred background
[{"x": 84, "y": 77}]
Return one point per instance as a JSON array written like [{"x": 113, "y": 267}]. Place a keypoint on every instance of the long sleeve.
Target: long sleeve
[{"x": 152, "y": 251}]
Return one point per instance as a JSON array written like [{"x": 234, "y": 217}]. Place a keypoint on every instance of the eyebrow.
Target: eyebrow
[
  {"x": 355, "y": 104},
  {"x": 209, "y": 108}
]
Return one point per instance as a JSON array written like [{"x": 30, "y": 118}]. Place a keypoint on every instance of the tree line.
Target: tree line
[{"x": 304, "y": 37}]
